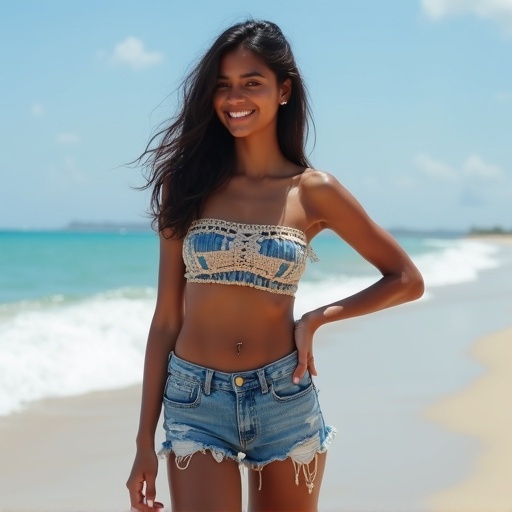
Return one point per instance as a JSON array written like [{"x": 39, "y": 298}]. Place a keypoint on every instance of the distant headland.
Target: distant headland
[{"x": 494, "y": 231}]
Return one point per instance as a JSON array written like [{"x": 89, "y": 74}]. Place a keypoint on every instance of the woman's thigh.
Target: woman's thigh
[
  {"x": 205, "y": 485},
  {"x": 279, "y": 491}
]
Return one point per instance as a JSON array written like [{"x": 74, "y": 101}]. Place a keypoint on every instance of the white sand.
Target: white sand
[
  {"x": 71, "y": 454},
  {"x": 484, "y": 411}
]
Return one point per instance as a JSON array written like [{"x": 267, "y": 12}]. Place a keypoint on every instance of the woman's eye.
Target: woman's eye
[
  {"x": 252, "y": 84},
  {"x": 221, "y": 85}
]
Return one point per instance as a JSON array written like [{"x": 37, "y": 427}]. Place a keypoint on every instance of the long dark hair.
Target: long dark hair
[{"x": 195, "y": 154}]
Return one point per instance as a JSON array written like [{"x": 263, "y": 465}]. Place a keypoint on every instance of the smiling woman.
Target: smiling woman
[
  {"x": 236, "y": 204},
  {"x": 246, "y": 62},
  {"x": 247, "y": 92}
]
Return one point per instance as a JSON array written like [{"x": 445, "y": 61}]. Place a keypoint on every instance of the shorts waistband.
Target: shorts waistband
[{"x": 236, "y": 381}]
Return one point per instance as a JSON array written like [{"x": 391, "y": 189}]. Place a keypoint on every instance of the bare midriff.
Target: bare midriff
[{"x": 233, "y": 328}]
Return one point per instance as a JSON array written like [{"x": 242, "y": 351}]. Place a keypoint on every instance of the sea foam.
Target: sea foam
[
  {"x": 70, "y": 348},
  {"x": 448, "y": 262},
  {"x": 456, "y": 261}
]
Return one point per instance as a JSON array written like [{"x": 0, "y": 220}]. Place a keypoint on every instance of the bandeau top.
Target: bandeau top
[{"x": 267, "y": 257}]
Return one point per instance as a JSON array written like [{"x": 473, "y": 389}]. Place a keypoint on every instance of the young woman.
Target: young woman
[{"x": 236, "y": 204}]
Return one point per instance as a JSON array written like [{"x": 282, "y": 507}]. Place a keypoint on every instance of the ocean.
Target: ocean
[{"x": 75, "y": 307}]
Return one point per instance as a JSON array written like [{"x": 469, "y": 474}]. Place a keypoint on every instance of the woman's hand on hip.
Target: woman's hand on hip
[{"x": 304, "y": 343}]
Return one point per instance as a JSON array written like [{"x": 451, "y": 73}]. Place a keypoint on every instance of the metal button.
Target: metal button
[{"x": 239, "y": 381}]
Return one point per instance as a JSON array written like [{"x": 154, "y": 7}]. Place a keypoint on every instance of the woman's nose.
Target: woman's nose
[{"x": 235, "y": 95}]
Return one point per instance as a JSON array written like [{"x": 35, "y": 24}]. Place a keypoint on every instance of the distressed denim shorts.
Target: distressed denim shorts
[{"x": 254, "y": 417}]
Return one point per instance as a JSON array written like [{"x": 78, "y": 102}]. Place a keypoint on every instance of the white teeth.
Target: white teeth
[{"x": 240, "y": 114}]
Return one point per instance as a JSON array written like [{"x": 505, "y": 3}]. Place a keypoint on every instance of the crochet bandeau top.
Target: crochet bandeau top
[{"x": 267, "y": 257}]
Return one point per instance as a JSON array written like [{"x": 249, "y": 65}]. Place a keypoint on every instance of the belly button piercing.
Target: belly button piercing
[{"x": 239, "y": 347}]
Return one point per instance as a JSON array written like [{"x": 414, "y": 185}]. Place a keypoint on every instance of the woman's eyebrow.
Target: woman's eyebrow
[{"x": 245, "y": 75}]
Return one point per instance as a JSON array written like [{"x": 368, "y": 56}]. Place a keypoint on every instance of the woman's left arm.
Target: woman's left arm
[{"x": 330, "y": 206}]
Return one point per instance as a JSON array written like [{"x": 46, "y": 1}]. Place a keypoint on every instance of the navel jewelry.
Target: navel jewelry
[
  {"x": 239, "y": 347},
  {"x": 283, "y": 103}
]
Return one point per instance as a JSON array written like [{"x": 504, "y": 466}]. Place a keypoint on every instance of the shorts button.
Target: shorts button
[{"x": 239, "y": 381}]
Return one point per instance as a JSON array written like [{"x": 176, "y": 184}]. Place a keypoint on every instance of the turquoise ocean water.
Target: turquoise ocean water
[{"x": 75, "y": 307}]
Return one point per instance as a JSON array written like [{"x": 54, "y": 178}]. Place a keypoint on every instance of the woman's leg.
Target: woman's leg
[
  {"x": 279, "y": 492},
  {"x": 205, "y": 485}
]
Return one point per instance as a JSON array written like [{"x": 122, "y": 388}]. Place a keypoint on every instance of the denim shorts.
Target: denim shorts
[{"x": 254, "y": 417}]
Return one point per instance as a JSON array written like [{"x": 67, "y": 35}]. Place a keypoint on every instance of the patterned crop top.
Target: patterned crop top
[{"x": 267, "y": 257}]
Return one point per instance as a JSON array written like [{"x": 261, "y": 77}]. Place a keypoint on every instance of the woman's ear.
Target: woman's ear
[{"x": 286, "y": 91}]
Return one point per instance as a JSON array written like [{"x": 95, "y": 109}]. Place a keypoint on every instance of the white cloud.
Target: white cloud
[
  {"x": 131, "y": 52},
  {"x": 37, "y": 110},
  {"x": 435, "y": 168},
  {"x": 68, "y": 138},
  {"x": 495, "y": 10},
  {"x": 475, "y": 167}
]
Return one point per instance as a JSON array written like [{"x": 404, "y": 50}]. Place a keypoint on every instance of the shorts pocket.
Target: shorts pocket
[
  {"x": 284, "y": 390},
  {"x": 182, "y": 391}
]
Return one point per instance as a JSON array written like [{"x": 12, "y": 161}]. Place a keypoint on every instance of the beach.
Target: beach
[
  {"x": 482, "y": 411},
  {"x": 420, "y": 396},
  {"x": 69, "y": 454}
]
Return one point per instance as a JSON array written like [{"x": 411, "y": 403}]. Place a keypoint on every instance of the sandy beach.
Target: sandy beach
[
  {"x": 482, "y": 411},
  {"x": 70, "y": 454},
  {"x": 423, "y": 423}
]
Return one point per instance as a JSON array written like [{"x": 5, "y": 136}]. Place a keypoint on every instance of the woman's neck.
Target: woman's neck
[{"x": 259, "y": 156}]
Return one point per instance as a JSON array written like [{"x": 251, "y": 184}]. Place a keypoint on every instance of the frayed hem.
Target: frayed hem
[
  {"x": 330, "y": 434},
  {"x": 185, "y": 453},
  {"x": 301, "y": 454}
]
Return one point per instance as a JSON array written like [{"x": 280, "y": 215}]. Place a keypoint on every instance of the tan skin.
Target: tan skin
[{"x": 267, "y": 189}]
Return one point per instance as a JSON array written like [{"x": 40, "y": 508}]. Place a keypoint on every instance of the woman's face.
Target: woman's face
[{"x": 247, "y": 95}]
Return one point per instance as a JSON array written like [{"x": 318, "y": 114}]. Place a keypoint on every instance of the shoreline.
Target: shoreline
[{"x": 481, "y": 411}]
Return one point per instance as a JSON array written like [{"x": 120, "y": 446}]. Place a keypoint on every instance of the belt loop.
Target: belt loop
[
  {"x": 263, "y": 381},
  {"x": 208, "y": 381}
]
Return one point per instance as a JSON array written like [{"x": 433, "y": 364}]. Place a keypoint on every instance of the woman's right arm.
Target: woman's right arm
[{"x": 163, "y": 332}]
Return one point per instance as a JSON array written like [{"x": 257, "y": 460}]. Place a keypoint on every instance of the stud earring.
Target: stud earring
[{"x": 283, "y": 103}]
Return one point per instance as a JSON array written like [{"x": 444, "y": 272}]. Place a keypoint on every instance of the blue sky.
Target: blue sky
[{"x": 412, "y": 101}]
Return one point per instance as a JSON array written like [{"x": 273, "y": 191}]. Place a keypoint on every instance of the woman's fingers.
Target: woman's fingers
[
  {"x": 300, "y": 370},
  {"x": 311, "y": 365},
  {"x": 141, "y": 482},
  {"x": 303, "y": 342},
  {"x": 141, "y": 507},
  {"x": 140, "y": 502},
  {"x": 135, "y": 488},
  {"x": 150, "y": 491},
  {"x": 306, "y": 361}
]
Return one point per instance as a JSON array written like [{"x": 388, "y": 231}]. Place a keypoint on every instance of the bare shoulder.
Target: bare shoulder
[
  {"x": 312, "y": 178},
  {"x": 316, "y": 184},
  {"x": 323, "y": 195}
]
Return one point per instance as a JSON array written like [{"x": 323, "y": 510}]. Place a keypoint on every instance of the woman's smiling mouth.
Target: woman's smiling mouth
[{"x": 238, "y": 115}]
